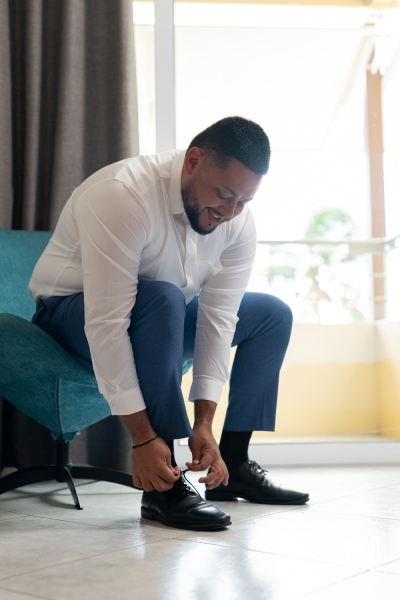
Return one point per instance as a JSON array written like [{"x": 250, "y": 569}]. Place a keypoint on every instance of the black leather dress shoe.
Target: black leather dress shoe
[
  {"x": 183, "y": 507},
  {"x": 250, "y": 481}
]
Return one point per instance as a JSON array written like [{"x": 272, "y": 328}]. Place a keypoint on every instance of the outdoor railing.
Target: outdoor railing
[{"x": 331, "y": 281}]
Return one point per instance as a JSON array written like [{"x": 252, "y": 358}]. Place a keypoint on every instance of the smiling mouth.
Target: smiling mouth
[{"x": 216, "y": 218}]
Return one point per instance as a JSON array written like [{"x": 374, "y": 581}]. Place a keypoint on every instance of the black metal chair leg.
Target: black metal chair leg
[
  {"x": 26, "y": 477},
  {"x": 38, "y": 475},
  {"x": 64, "y": 472},
  {"x": 101, "y": 474},
  {"x": 69, "y": 481}
]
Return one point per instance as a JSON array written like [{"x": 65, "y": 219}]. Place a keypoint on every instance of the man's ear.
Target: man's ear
[{"x": 193, "y": 159}]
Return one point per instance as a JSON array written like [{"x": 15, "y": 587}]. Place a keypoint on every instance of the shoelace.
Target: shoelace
[
  {"x": 187, "y": 484},
  {"x": 256, "y": 469}
]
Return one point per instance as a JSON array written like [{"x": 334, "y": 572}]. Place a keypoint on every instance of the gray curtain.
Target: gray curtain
[
  {"x": 67, "y": 108},
  {"x": 68, "y": 101}
]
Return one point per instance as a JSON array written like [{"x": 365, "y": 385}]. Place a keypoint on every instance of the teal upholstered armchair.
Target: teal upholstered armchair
[{"x": 38, "y": 376}]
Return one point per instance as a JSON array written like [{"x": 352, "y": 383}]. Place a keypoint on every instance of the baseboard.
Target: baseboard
[{"x": 315, "y": 453}]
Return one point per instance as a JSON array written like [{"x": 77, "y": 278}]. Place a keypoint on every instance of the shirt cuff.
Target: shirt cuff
[
  {"x": 126, "y": 403},
  {"x": 206, "y": 389}
]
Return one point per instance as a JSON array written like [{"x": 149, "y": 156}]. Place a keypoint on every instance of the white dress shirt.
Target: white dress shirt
[{"x": 127, "y": 223}]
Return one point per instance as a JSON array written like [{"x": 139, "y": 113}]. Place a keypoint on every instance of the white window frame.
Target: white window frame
[{"x": 164, "y": 39}]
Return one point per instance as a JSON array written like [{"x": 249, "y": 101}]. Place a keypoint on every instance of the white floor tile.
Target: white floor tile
[
  {"x": 305, "y": 533},
  {"x": 178, "y": 570},
  {"x": 368, "y": 586},
  {"x": 383, "y": 503},
  {"x": 392, "y": 567},
  {"x": 9, "y": 595},
  {"x": 5, "y": 514},
  {"x": 33, "y": 543},
  {"x": 321, "y": 484},
  {"x": 103, "y": 509},
  {"x": 344, "y": 544}
]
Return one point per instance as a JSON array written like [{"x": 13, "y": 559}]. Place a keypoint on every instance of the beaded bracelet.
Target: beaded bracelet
[{"x": 145, "y": 442}]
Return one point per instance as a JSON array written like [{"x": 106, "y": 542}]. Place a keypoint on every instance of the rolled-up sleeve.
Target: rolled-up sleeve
[
  {"x": 219, "y": 303},
  {"x": 113, "y": 228}
]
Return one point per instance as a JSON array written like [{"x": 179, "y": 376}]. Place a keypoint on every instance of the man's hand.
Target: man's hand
[
  {"x": 204, "y": 448},
  {"x": 151, "y": 463},
  {"x": 151, "y": 467}
]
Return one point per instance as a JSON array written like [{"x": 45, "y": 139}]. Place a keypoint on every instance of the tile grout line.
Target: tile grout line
[
  {"x": 74, "y": 560},
  {"x": 25, "y": 594},
  {"x": 311, "y": 560},
  {"x": 331, "y": 585},
  {"x": 328, "y": 512}
]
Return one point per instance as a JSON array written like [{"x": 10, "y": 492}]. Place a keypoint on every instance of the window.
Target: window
[{"x": 300, "y": 71}]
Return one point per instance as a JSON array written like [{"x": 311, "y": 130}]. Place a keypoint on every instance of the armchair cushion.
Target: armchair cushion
[
  {"x": 45, "y": 382},
  {"x": 19, "y": 252}
]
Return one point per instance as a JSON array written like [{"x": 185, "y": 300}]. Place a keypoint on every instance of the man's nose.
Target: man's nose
[{"x": 228, "y": 208}]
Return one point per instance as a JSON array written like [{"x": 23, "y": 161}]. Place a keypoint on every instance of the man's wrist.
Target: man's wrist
[
  {"x": 140, "y": 444},
  {"x": 204, "y": 411},
  {"x": 138, "y": 426}
]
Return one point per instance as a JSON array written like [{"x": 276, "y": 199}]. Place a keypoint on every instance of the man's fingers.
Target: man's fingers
[
  {"x": 165, "y": 482},
  {"x": 215, "y": 477},
  {"x": 170, "y": 474},
  {"x": 165, "y": 479},
  {"x": 197, "y": 466},
  {"x": 162, "y": 486},
  {"x": 161, "y": 483},
  {"x": 152, "y": 469},
  {"x": 148, "y": 487},
  {"x": 200, "y": 465},
  {"x": 137, "y": 482},
  {"x": 212, "y": 480}
]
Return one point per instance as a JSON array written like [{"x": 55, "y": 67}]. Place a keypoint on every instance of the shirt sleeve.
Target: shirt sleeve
[
  {"x": 113, "y": 228},
  {"x": 219, "y": 303}
]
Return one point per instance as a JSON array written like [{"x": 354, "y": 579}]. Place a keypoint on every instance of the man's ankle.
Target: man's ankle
[{"x": 234, "y": 447}]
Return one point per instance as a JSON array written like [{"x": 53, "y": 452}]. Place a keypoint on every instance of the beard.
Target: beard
[{"x": 193, "y": 210}]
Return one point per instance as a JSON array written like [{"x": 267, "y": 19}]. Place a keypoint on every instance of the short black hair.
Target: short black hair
[{"x": 235, "y": 137}]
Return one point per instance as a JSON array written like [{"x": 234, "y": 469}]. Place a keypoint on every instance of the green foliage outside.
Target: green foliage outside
[{"x": 322, "y": 267}]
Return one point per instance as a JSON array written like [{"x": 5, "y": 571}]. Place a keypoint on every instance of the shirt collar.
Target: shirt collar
[{"x": 175, "y": 195}]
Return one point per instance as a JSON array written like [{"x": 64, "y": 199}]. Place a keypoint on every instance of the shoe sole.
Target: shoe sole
[
  {"x": 148, "y": 514},
  {"x": 230, "y": 497}
]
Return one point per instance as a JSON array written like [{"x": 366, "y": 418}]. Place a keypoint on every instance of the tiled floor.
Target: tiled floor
[{"x": 345, "y": 544}]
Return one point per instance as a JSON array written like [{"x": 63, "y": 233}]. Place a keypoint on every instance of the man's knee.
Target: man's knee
[
  {"x": 170, "y": 290},
  {"x": 281, "y": 315},
  {"x": 283, "y": 312},
  {"x": 271, "y": 313},
  {"x": 169, "y": 293},
  {"x": 161, "y": 296},
  {"x": 267, "y": 305}
]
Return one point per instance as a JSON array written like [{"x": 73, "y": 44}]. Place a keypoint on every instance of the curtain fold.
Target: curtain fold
[
  {"x": 6, "y": 191},
  {"x": 68, "y": 107}
]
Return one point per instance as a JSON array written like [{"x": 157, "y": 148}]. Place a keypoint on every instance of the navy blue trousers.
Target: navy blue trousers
[{"x": 162, "y": 333}]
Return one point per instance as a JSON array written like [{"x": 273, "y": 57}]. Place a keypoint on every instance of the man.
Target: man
[{"x": 147, "y": 268}]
